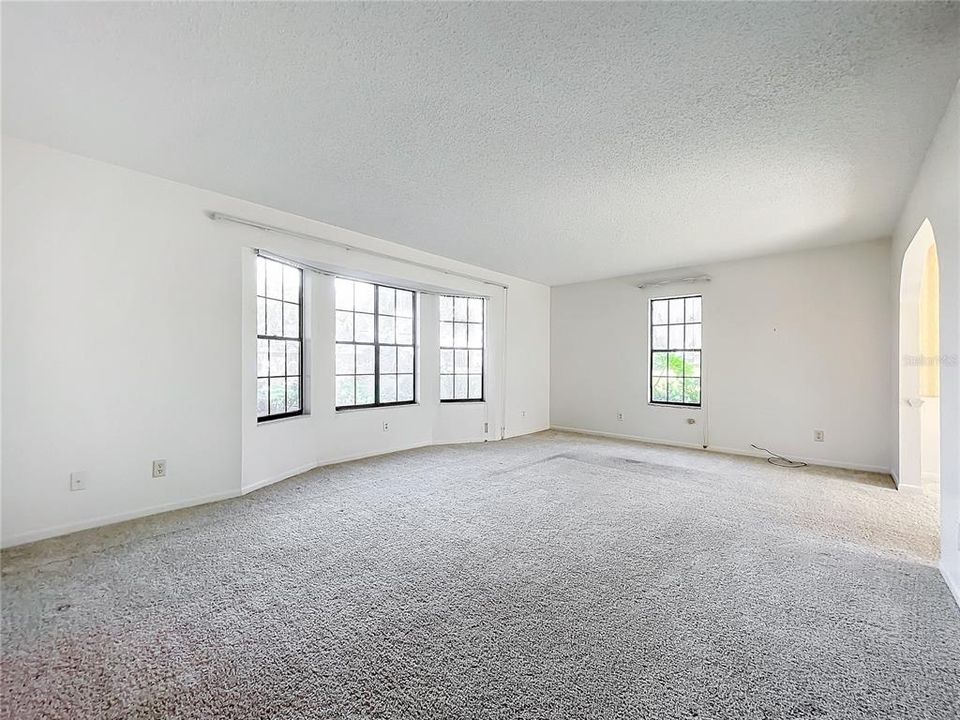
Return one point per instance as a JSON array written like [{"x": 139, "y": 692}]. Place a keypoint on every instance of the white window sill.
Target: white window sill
[{"x": 277, "y": 421}]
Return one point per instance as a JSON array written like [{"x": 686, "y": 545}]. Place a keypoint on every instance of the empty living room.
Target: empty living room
[{"x": 480, "y": 360}]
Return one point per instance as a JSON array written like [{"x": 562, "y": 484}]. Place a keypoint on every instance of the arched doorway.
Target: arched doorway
[{"x": 919, "y": 338}]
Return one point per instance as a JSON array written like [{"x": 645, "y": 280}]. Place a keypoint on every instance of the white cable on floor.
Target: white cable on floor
[{"x": 780, "y": 460}]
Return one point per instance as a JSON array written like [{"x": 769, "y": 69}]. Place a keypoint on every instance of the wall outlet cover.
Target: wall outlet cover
[
  {"x": 159, "y": 468},
  {"x": 818, "y": 435},
  {"x": 78, "y": 481}
]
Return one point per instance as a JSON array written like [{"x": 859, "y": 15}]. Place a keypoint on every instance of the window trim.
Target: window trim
[
  {"x": 483, "y": 350},
  {"x": 650, "y": 351},
  {"x": 376, "y": 347},
  {"x": 299, "y": 339}
]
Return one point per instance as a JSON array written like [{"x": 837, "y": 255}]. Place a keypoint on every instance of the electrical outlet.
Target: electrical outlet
[
  {"x": 78, "y": 481},
  {"x": 486, "y": 428},
  {"x": 620, "y": 416},
  {"x": 818, "y": 435},
  {"x": 386, "y": 427},
  {"x": 523, "y": 413},
  {"x": 159, "y": 468}
]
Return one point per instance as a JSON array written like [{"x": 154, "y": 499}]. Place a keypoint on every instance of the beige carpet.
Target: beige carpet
[{"x": 551, "y": 576}]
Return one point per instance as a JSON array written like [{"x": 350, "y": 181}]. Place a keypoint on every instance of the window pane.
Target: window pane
[
  {"x": 658, "y": 312},
  {"x": 345, "y": 359},
  {"x": 460, "y": 387},
  {"x": 365, "y": 392},
  {"x": 475, "y": 310},
  {"x": 344, "y": 290},
  {"x": 475, "y": 387},
  {"x": 382, "y": 332},
  {"x": 261, "y": 277},
  {"x": 291, "y": 320},
  {"x": 405, "y": 303},
  {"x": 476, "y": 361},
  {"x": 263, "y": 358},
  {"x": 659, "y": 390},
  {"x": 278, "y": 395},
  {"x": 365, "y": 359},
  {"x": 345, "y": 391},
  {"x": 291, "y": 284},
  {"x": 446, "y": 361},
  {"x": 263, "y": 393},
  {"x": 388, "y": 388},
  {"x": 274, "y": 318},
  {"x": 405, "y": 359},
  {"x": 404, "y": 388},
  {"x": 293, "y": 357},
  {"x": 446, "y": 334},
  {"x": 293, "y": 394},
  {"x": 278, "y": 359},
  {"x": 675, "y": 390},
  {"x": 344, "y": 326},
  {"x": 388, "y": 359},
  {"x": 659, "y": 337},
  {"x": 364, "y": 327},
  {"x": 659, "y": 363},
  {"x": 460, "y": 335},
  {"x": 675, "y": 365},
  {"x": 446, "y": 308},
  {"x": 675, "y": 375},
  {"x": 676, "y": 310},
  {"x": 388, "y": 301},
  {"x": 446, "y": 387},
  {"x": 676, "y": 337},
  {"x": 405, "y": 331},
  {"x": 460, "y": 309},
  {"x": 461, "y": 361},
  {"x": 363, "y": 297},
  {"x": 274, "y": 282},
  {"x": 386, "y": 327},
  {"x": 475, "y": 335}
]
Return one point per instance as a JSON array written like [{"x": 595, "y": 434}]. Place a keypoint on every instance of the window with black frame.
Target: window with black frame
[
  {"x": 375, "y": 345},
  {"x": 279, "y": 339},
  {"x": 461, "y": 349},
  {"x": 676, "y": 329}
]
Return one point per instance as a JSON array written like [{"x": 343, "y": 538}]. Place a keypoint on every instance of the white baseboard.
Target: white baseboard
[
  {"x": 952, "y": 581},
  {"x": 67, "y": 528},
  {"x": 722, "y": 450},
  {"x": 246, "y": 489},
  {"x": 533, "y": 431},
  {"x": 350, "y": 458}
]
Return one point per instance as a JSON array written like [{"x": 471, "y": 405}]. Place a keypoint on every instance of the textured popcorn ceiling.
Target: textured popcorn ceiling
[{"x": 555, "y": 142}]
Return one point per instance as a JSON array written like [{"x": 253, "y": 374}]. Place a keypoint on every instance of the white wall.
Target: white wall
[
  {"x": 936, "y": 196},
  {"x": 791, "y": 343},
  {"x": 128, "y": 335}
]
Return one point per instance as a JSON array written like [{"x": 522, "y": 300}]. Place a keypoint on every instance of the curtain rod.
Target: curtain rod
[
  {"x": 671, "y": 281},
  {"x": 223, "y": 217}
]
